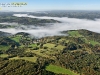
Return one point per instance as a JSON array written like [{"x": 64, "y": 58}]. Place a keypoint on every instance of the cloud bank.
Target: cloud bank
[{"x": 55, "y": 28}]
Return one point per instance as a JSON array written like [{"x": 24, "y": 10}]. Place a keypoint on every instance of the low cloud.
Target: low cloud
[{"x": 55, "y": 28}]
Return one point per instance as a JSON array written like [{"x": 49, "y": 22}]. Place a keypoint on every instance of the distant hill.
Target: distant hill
[{"x": 2, "y": 34}]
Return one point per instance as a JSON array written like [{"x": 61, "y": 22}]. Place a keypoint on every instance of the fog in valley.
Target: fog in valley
[{"x": 53, "y": 29}]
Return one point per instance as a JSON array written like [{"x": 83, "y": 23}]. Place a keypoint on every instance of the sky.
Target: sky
[{"x": 39, "y": 5}]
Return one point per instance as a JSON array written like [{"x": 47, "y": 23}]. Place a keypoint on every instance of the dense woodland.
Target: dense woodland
[
  {"x": 78, "y": 53},
  {"x": 25, "y": 20}
]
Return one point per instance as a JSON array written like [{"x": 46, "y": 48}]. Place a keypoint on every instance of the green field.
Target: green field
[
  {"x": 39, "y": 52},
  {"x": 17, "y": 38},
  {"x": 91, "y": 42},
  {"x": 50, "y": 50},
  {"x": 33, "y": 45},
  {"x": 60, "y": 47},
  {"x": 3, "y": 55},
  {"x": 59, "y": 70},
  {"x": 49, "y": 45},
  {"x": 3, "y": 47},
  {"x": 74, "y": 34},
  {"x": 94, "y": 43},
  {"x": 31, "y": 59}
]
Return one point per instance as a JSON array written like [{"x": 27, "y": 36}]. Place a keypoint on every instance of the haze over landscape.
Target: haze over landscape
[{"x": 50, "y": 37}]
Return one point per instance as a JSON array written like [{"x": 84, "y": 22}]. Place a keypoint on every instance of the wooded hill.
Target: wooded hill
[
  {"x": 77, "y": 53},
  {"x": 26, "y": 20}
]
